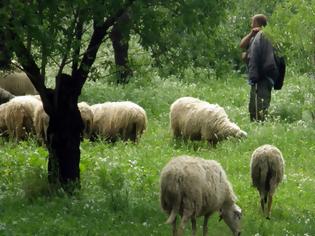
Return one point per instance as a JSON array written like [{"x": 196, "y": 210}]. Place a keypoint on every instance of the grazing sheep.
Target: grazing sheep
[
  {"x": 3, "y": 122},
  {"x": 12, "y": 120},
  {"x": 87, "y": 118},
  {"x": 194, "y": 119},
  {"x": 267, "y": 169},
  {"x": 193, "y": 187},
  {"x": 30, "y": 104},
  {"x": 113, "y": 120},
  {"x": 41, "y": 121},
  {"x": 17, "y": 116},
  {"x": 17, "y": 83},
  {"x": 5, "y": 96}
]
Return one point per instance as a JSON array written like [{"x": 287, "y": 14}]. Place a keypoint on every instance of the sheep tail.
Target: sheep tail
[
  {"x": 266, "y": 174},
  {"x": 267, "y": 182},
  {"x": 172, "y": 217},
  {"x": 173, "y": 200}
]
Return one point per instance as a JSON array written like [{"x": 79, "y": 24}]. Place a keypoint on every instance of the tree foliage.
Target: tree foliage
[
  {"x": 180, "y": 33},
  {"x": 293, "y": 33}
]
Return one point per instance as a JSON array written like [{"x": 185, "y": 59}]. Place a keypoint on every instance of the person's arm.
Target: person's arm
[{"x": 246, "y": 40}]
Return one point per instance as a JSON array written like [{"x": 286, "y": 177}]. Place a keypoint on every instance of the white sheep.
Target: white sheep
[
  {"x": 267, "y": 170},
  {"x": 87, "y": 118},
  {"x": 5, "y": 96},
  {"x": 41, "y": 121},
  {"x": 194, "y": 119},
  {"x": 17, "y": 83},
  {"x": 30, "y": 104},
  {"x": 113, "y": 120},
  {"x": 193, "y": 187},
  {"x": 13, "y": 118},
  {"x": 18, "y": 115}
]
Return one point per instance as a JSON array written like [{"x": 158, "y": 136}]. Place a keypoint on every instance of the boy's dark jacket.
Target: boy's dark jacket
[{"x": 261, "y": 60}]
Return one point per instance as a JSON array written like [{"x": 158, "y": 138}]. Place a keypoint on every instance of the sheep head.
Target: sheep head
[
  {"x": 232, "y": 216},
  {"x": 241, "y": 134}
]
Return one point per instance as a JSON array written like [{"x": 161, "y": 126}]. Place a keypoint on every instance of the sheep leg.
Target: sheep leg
[
  {"x": 193, "y": 225},
  {"x": 174, "y": 226},
  {"x": 133, "y": 133},
  {"x": 269, "y": 206},
  {"x": 183, "y": 222},
  {"x": 263, "y": 199},
  {"x": 93, "y": 136},
  {"x": 176, "y": 131},
  {"x": 262, "y": 204},
  {"x": 205, "y": 225},
  {"x": 111, "y": 139},
  {"x": 19, "y": 133}
]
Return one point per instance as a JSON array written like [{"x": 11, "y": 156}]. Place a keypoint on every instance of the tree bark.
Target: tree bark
[
  {"x": 5, "y": 54},
  {"x": 120, "y": 41},
  {"x": 64, "y": 134}
]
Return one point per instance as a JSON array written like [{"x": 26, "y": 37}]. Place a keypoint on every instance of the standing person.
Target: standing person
[{"x": 261, "y": 68}]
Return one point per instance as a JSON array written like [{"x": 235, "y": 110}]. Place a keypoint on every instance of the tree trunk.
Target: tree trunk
[
  {"x": 5, "y": 53},
  {"x": 120, "y": 41},
  {"x": 64, "y": 135}
]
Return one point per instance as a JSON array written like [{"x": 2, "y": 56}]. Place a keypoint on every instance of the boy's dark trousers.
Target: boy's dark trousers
[{"x": 259, "y": 101}]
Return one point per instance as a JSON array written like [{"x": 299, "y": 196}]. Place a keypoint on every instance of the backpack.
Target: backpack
[{"x": 278, "y": 82}]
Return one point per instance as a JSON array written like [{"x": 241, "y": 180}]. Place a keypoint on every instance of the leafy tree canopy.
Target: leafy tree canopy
[
  {"x": 173, "y": 30},
  {"x": 293, "y": 32}
]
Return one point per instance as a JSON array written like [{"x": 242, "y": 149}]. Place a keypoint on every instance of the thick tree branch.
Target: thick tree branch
[
  {"x": 100, "y": 30},
  {"x": 43, "y": 42},
  {"x": 70, "y": 32},
  {"x": 31, "y": 69},
  {"x": 77, "y": 46}
]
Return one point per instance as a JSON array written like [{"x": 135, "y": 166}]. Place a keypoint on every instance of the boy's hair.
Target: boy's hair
[{"x": 260, "y": 19}]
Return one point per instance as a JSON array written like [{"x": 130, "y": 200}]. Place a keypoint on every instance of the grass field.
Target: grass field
[{"x": 120, "y": 182}]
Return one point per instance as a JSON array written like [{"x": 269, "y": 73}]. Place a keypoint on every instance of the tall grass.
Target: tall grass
[{"x": 120, "y": 182}]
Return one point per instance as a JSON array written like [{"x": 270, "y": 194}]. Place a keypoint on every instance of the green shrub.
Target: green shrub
[
  {"x": 112, "y": 182},
  {"x": 35, "y": 183}
]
